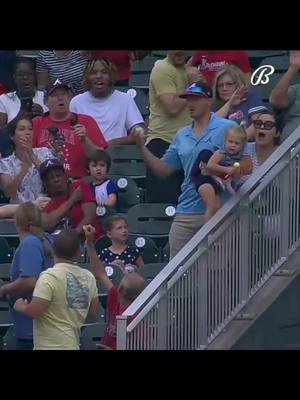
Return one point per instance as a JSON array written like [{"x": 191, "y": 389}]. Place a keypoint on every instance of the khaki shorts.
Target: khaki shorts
[{"x": 182, "y": 230}]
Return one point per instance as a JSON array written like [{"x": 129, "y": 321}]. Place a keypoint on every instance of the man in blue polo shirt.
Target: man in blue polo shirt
[{"x": 207, "y": 131}]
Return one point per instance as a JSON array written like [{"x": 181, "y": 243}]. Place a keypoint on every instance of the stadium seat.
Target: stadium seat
[
  {"x": 149, "y": 271},
  {"x": 151, "y": 219},
  {"x": 280, "y": 63},
  {"x": 140, "y": 80},
  {"x": 5, "y": 318},
  {"x": 6, "y": 253},
  {"x": 256, "y": 56},
  {"x": 101, "y": 317},
  {"x": 91, "y": 336},
  {"x": 140, "y": 96},
  {"x": 147, "y": 247},
  {"x": 128, "y": 195},
  {"x": 8, "y": 228},
  {"x": 265, "y": 90},
  {"x": 159, "y": 53},
  {"x": 127, "y": 161},
  {"x": 3, "y": 198},
  {"x": 144, "y": 65},
  {"x": 166, "y": 253},
  {"x": 5, "y": 272},
  {"x": 9, "y": 340}
]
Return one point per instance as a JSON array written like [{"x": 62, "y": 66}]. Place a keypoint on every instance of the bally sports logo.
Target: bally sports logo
[{"x": 261, "y": 75}]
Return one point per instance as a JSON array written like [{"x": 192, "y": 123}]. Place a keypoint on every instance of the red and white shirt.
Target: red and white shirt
[
  {"x": 73, "y": 149},
  {"x": 210, "y": 61}
]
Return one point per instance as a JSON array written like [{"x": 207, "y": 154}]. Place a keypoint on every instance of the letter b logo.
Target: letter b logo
[{"x": 261, "y": 75}]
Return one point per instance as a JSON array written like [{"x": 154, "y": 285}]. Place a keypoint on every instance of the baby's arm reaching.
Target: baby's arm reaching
[{"x": 214, "y": 167}]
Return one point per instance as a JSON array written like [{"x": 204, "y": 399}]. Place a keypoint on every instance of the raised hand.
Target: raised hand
[
  {"x": 89, "y": 232},
  {"x": 80, "y": 131},
  {"x": 295, "y": 59},
  {"x": 238, "y": 96}
]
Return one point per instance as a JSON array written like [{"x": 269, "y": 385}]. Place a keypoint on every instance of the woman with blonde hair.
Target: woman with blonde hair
[
  {"x": 232, "y": 99},
  {"x": 33, "y": 255}
]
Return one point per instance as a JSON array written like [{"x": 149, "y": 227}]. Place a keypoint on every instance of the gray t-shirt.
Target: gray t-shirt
[{"x": 291, "y": 115}]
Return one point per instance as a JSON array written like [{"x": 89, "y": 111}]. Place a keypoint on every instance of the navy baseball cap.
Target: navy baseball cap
[
  {"x": 48, "y": 165},
  {"x": 198, "y": 90},
  {"x": 56, "y": 84}
]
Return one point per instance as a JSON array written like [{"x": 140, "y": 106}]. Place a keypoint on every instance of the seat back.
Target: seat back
[
  {"x": 6, "y": 253},
  {"x": 127, "y": 161},
  {"x": 151, "y": 219},
  {"x": 149, "y": 271},
  {"x": 128, "y": 194},
  {"x": 91, "y": 336}
]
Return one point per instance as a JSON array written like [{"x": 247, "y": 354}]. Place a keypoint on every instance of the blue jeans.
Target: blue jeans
[{"x": 24, "y": 344}]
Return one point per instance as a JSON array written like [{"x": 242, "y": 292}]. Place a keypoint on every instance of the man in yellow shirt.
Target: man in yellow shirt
[
  {"x": 168, "y": 113},
  {"x": 64, "y": 296}
]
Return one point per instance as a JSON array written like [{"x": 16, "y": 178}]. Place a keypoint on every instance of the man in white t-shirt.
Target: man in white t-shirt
[
  {"x": 115, "y": 112},
  {"x": 64, "y": 296}
]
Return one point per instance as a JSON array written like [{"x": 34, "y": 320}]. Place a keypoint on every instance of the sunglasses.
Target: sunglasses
[{"x": 267, "y": 125}]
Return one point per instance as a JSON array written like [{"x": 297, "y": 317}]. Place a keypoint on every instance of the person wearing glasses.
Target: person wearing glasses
[
  {"x": 232, "y": 99},
  {"x": 207, "y": 131},
  {"x": 267, "y": 138},
  {"x": 285, "y": 98},
  {"x": 26, "y": 98}
]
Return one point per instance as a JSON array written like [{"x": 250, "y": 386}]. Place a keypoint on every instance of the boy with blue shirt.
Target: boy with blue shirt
[
  {"x": 105, "y": 190},
  {"x": 207, "y": 131}
]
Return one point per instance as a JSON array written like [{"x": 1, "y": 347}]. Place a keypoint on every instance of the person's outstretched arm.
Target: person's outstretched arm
[
  {"x": 96, "y": 265},
  {"x": 279, "y": 96}
]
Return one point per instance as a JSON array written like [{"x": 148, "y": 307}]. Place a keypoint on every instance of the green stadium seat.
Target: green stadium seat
[
  {"x": 265, "y": 90},
  {"x": 256, "y": 56},
  {"x": 129, "y": 193},
  {"x": 140, "y": 80},
  {"x": 9, "y": 340},
  {"x": 91, "y": 336},
  {"x": 127, "y": 161},
  {"x": 5, "y": 271},
  {"x": 5, "y": 318},
  {"x": 280, "y": 63},
  {"x": 151, "y": 219},
  {"x": 166, "y": 253},
  {"x": 6, "y": 253},
  {"x": 149, "y": 271},
  {"x": 144, "y": 65}
]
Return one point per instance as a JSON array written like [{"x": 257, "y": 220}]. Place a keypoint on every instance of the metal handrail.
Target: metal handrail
[{"x": 211, "y": 231}]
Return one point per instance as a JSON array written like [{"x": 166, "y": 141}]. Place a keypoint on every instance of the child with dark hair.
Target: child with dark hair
[
  {"x": 63, "y": 298},
  {"x": 105, "y": 190},
  {"x": 126, "y": 257}
]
